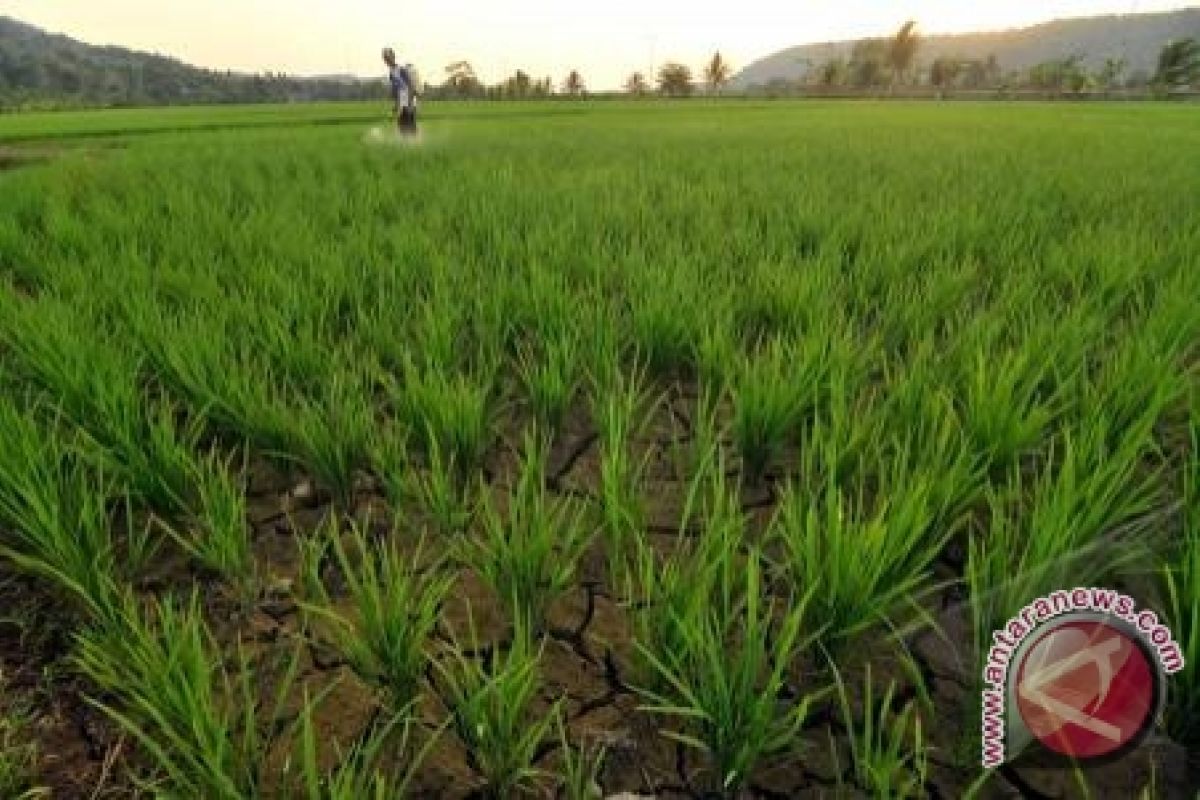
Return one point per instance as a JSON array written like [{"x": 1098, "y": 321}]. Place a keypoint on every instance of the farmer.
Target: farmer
[{"x": 403, "y": 92}]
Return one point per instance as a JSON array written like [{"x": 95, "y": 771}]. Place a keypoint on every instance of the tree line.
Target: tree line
[
  {"x": 873, "y": 64},
  {"x": 41, "y": 70},
  {"x": 891, "y": 62}
]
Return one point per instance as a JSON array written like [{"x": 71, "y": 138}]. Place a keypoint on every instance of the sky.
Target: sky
[{"x": 605, "y": 41}]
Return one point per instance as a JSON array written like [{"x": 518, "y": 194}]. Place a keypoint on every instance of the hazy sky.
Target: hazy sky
[{"x": 604, "y": 40}]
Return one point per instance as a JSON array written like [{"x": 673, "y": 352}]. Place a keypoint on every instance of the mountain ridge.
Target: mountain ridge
[
  {"x": 39, "y": 67},
  {"x": 1137, "y": 38}
]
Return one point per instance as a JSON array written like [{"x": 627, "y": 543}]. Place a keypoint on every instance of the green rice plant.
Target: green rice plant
[
  {"x": 1001, "y": 407},
  {"x": 889, "y": 749},
  {"x": 364, "y": 772},
  {"x": 387, "y": 446},
  {"x": 204, "y": 727},
  {"x": 621, "y": 414},
  {"x": 201, "y": 360},
  {"x": 697, "y": 448},
  {"x": 99, "y": 388},
  {"x": 866, "y": 561},
  {"x": 491, "y": 711},
  {"x": 664, "y": 327},
  {"x": 601, "y": 351},
  {"x": 725, "y": 680},
  {"x": 53, "y": 508},
  {"x": 550, "y": 379},
  {"x": 771, "y": 393},
  {"x": 18, "y": 751},
  {"x": 449, "y": 412},
  {"x": 718, "y": 353},
  {"x": 217, "y": 537},
  {"x": 1181, "y": 580},
  {"x": 1084, "y": 521},
  {"x": 529, "y": 555},
  {"x": 579, "y": 777},
  {"x": 444, "y": 493},
  {"x": 394, "y": 607},
  {"x": 329, "y": 435},
  {"x": 772, "y": 303},
  {"x": 437, "y": 487}
]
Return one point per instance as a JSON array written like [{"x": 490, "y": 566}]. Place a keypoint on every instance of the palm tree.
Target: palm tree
[
  {"x": 675, "y": 79},
  {"x": 902, "y": 49},
  {"x": 573, "y": 85},
  {"x": 461, "y": 79},
  {"x": 1178, "y": 63},
  {"x": 636, "y": 84},
  {"x": 717, "y": 73},
  {"x": 519, "y": 85}
]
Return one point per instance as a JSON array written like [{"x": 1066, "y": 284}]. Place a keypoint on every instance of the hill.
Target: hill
[
  {"x": 1137, "y": 38},
  {"x": 44, "y": 69}
]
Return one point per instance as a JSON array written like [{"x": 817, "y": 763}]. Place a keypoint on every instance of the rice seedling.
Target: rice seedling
[
  {"x": 866, "y": 561},
  {"x": 449, "y": 412},
  {"x": 364, "y": 772},
  {"x": 663, "y": 332},
  {"x": 530, "y": 554},
  {"x": 1001, "y": 407},
  {"x": 490, "y": 700},
  {"x": 889, "y": 748},
  {"x": 204, "y": 727},
  {"x": 579, "y": 774},
  {"x": 329, "y": 436},
  {"x": 714, "y": 652},
  {"x": 717, "y": 357},
  {"x": 1181, "y": 579},
  {"x": 620, "y": 416},
  {"x": 99, "y": 389},
  {"x": 53, "y": 509},
  {"x": 217, "y": 374},
  {"x": 771, "y": 393},
  {"x": 725, "y": 679},
  {"x": 18, "y": 751},
  {"x": 394, "y": 605},
  {"x": 1084, "y": 523},
  {"x": 218, "y": 536},
  {"x": 550, "y": 380}
]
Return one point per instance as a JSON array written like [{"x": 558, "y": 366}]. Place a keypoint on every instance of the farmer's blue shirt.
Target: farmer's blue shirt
[{"x": 401, "y": 82}]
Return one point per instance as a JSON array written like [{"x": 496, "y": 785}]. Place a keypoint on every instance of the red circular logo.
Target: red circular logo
[{"x": 1085, "y": 688}]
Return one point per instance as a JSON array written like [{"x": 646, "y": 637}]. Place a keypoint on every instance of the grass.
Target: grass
[{"x": 810, "y": 371}]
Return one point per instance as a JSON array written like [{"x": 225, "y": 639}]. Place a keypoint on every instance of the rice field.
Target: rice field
[{"x": 687, "y": 450}]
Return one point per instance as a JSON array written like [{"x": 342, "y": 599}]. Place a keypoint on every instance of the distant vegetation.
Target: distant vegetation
[
  {"x": 38, "y": 69},
  {"x": 1151, "y": 53},
  {"x": 1076, "y": 54}
]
